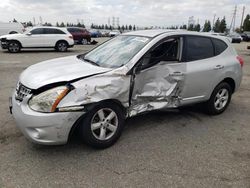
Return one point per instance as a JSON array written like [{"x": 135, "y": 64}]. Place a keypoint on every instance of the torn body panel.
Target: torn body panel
[
  {"x": 111, "y": 85},
  {"x": 158, "y": 87},
  {"x": 154, "y": 88}
]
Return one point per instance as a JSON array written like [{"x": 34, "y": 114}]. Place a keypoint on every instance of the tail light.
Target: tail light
[{"x": 241, "y": 61}]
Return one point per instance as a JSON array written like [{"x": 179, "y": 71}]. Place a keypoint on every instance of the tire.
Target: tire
[
  {"x": 84, "y": 41},
  {"x": 13, "y": 32},
  {"x": 14, "y": 47},
  {"x": 61, "y": 46},
  {"x": 219, "y": 99},
  {"x": 97, "y": 130}
]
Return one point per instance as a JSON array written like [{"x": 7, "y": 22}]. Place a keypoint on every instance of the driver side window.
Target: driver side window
[{"x": 165, "y": 51}]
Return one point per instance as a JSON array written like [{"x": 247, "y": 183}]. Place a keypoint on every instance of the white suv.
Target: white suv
[{"x": 38, "y": 37}]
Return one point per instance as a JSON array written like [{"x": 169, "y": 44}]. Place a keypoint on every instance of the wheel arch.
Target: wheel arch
[
  {"x": 231, "y": 82},
  {"x": 15, "y": 40},
  {"x": 61, "y": 40},
  {"x": 89, "y": 107}
]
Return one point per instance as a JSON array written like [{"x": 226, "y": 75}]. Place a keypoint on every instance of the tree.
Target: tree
[
  {"x": 14, "y": 20},
  {"x": 246, "y": 23},
  {"x": 123, "y": 28},
  {"x": 57, "y": 24},
  {"x": 207, "y": 26},
  {"x": 130, "y": 27},
  {"x": 191, "y": 27},
  {"x": 126, "y": 27},
  {"x": 134, "y": 27},
  {"x": 223, "y": 25},
  {"x": 216, "y": 27},
  {"x": 29, "y": 24},
  {"x": 184, "y": 26},
  {"x": 197, "y": 27},
  {"x": 62, "y": 25}
]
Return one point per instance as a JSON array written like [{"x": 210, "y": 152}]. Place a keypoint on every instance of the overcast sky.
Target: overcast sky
[{"x": 138, "y": 12}]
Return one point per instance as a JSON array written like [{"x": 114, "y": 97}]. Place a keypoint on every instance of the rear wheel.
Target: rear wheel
[
  {"x": 219, "y": 99},
  {"x": 84, "y": 41},
  {"x": 14, "y": 47},
  {"x": 102, "y": 126},
  {"x": 61, "y": 46}
]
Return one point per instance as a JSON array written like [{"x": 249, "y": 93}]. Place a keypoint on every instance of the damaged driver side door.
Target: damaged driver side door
[{"x": 158, "y": 78}]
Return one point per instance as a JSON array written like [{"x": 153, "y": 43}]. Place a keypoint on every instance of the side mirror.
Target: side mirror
[{"x": 28, "y": 34}]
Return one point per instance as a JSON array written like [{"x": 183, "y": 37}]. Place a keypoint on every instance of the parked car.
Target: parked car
[
  {"x": 236, "y": 38},
  {"x": 114, "y": 33},
  {"x": 95, "y": 33},
  {"x": 104, "y": 33},
  {"x": 133, "y": 73},
  {"x": 80, "y": 35},
  {"x": 222, "y": 35},
  {"x": 38, "y": 37},
  {"x": 11, "y": 28},
  {"x": 245, "y": 36}
]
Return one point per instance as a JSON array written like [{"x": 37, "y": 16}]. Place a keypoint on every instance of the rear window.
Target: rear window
[
  {"x": 219, "y": 46},
  {"x": 198, "y": 48},
  {"x": 73, "y": 30}
]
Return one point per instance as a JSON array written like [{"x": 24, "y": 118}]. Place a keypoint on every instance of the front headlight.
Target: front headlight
[{"x": 48, "y": 100}]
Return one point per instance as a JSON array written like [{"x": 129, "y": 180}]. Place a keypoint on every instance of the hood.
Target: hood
[
  {"x": 58, "y": 70},
  {"x": 10, "y": 36}
]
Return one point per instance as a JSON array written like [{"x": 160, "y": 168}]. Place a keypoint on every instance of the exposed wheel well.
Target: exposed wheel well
[
  {"x": 231, "y": 82},
  {"x": 62, "y": 41},
  {"x": 13, "y": 32}
]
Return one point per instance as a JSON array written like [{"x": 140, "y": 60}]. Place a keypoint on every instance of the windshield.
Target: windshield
[{"x": 116, "y": 52}]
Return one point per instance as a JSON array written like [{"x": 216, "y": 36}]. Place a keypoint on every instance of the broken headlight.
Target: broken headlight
[{"x": 47, "y": 101}]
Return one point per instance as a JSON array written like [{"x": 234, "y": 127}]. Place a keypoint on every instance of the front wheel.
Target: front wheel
[
  {"x": 14, "y": 47},
  {"x": 61, "y": 46},
  {"x": 219, "y": 99},
  {"x": 103, "y": 125}
]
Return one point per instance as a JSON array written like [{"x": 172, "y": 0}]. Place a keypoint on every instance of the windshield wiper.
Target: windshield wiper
[{"x": 92, "y": 62}]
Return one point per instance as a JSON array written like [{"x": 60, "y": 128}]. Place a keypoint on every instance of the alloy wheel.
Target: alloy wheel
[
  {"x": 14, "y": 47},
  {"x": 62, "y": 47},
  {"x": 104, "y": 124},
  {"x": 221, "y": 99}
]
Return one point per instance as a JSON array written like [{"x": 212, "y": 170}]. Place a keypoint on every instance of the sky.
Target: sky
[{"x": 143, "y": 13}]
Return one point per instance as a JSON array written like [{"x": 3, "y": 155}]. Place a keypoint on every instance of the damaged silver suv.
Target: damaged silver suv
[{"x": 130, "y": 74}]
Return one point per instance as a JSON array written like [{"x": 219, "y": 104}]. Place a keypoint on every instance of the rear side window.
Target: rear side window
[
  {"x": 53, "y": 31},
  {"x": 219, "y": 46},
  {"x": 198, "y": 48}
]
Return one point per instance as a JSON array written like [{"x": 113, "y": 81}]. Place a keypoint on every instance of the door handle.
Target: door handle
[
  {"x": 177, "y": 73},
  {"x": 217, "y": 67}
]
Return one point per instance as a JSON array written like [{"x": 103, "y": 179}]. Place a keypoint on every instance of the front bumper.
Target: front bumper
[
  {"x": 43, "y": 128},
  {"x": 4, "y": 45}
]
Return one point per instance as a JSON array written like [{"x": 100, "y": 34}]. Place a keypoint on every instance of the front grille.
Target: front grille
[
  {"x": 21, "y": 91},
  {"x": 3, "y": 40}
]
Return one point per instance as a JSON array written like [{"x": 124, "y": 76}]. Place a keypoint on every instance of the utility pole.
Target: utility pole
[
  {"x": 241, "y": 23},
  {"x": 232, "y": 25},
  {"x": 213, "y": 21}
]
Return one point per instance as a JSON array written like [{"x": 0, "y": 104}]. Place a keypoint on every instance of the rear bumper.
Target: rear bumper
[{"x": 43, "y": 128}]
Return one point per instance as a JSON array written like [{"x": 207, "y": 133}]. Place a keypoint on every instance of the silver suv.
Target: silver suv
[{"x": 133, "y": 73}]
